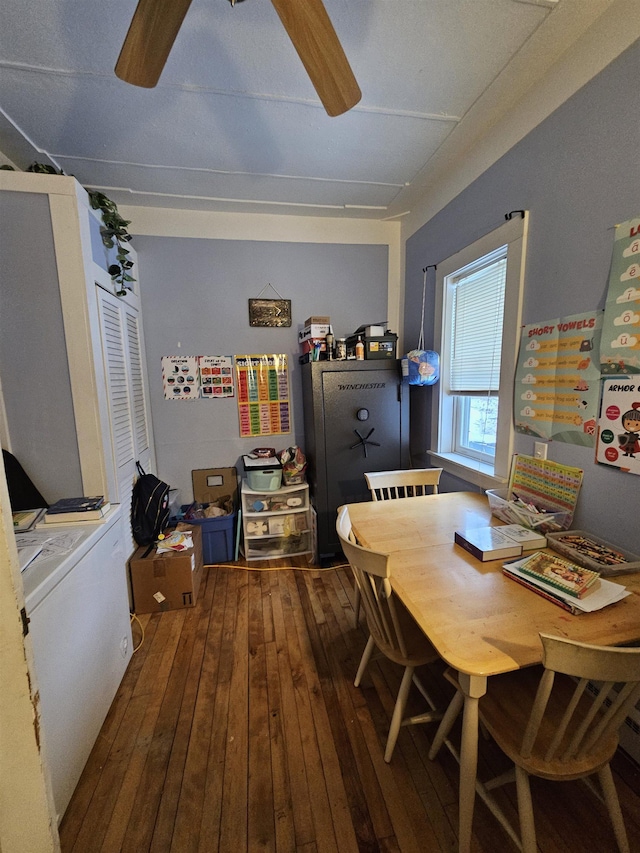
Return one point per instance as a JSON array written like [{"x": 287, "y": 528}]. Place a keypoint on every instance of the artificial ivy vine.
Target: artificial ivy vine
[{"x": 113, "y": 231}]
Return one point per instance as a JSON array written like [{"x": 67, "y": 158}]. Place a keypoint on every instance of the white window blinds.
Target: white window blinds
[{"x": 476, "y": 331}]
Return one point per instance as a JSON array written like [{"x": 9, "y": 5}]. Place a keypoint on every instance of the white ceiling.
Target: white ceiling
[{"x": 234, "y": 123}]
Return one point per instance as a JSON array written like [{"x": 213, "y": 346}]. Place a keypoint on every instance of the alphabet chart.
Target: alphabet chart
[
  {"x": 556, "y": 387},
  {"x": 620, "y": 344}
]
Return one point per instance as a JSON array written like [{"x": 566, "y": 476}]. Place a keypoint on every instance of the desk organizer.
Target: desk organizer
[
  {"x": 548, "y": 486},
  {"x": 589, "y": 551}
]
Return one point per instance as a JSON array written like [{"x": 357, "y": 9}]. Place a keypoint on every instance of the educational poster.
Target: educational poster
[
  {"x": 618, "y": 441},
  {"x": 264, "y": 405},
  {"x": 620, "y": 344},
  {"x": 216, "y": 377},
  {"x": 619, "y": 424},
  {"x": 557, "y": 383},
  {"x": 180, "y": 377}
]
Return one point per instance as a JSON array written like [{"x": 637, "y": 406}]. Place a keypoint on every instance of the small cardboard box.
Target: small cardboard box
[
  {"x": 318, "y": 321},
  {"x": 315, "y": 330},
  {"x": 166, "y": 581},
  {"x": 209, "y": 484}
]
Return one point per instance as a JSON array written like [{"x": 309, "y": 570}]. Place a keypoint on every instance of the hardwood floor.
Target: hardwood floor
[{"x": 237, "y": 728}]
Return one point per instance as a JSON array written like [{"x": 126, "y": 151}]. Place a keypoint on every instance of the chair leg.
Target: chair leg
[
  {"x": 364, "y": 660},
  {"x": 450, "y": 715},
  {"x": 613, "y": 805},
  {"x": 398, "y": 712},
  {"x": 525, "y": 812},
  {"x": 356, "y": 604}
]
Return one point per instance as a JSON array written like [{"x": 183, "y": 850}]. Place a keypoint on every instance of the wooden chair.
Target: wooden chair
[
  {"x": 393, "y": 631},
  {"x": 550, "y": 723},
  {"x": 389, "y": 485}
]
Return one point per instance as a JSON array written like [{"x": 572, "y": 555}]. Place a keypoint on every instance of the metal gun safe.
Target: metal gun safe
[{"x": 356, "y": 419}]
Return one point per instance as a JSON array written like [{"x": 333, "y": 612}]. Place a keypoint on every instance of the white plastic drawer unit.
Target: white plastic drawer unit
[{"x": 276, "y": 523}]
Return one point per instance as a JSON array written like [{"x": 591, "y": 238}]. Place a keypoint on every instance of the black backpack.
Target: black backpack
[{"x": 149, "y": 507}]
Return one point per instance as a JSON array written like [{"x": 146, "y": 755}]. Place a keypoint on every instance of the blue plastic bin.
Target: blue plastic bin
[{"x": 218, "y": 540}]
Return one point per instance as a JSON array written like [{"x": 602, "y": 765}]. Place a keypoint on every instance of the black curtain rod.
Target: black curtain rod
[{"x": 507, "y": 216}]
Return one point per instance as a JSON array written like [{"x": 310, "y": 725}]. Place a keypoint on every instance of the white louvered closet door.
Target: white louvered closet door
[{"x": 123, "y": 360}]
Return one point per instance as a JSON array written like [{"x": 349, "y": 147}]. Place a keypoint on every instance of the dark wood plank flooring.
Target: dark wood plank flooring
[{"x": 237, "y": 728}]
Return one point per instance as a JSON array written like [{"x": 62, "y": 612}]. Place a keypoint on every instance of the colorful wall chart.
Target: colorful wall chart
[
  {"x": 557, "y": 382},
  {"x": 189, "y": 377},
  {"x": 620, "y": 344},
  {"x": 180, "y": 377},
  {"x": 264, "y": 405},
  {"x": 216, "y": 376},
  {"x": 618, "y": 441}
]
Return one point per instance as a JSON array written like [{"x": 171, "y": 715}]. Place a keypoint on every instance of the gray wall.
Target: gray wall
[
  {"x": 195, "y": 296},
  {"x": 578, "y": 174}
]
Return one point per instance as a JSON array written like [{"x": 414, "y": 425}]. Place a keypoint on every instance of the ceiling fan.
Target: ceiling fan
[{"x": 156, "y": 23}]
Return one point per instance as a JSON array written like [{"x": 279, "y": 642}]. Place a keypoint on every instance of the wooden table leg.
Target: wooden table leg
[{"x": 473, "y": 688}]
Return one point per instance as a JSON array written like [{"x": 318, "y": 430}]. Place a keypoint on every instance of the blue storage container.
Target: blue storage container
[{"x": 218, "y": 540}]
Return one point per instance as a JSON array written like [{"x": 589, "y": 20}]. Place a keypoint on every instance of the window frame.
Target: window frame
[{"x": 513, "y": 235}]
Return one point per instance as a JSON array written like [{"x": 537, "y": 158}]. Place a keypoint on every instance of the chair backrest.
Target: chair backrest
[
  {"x": 389, "y": 485},
  {"x": 371, "y": 571},
  {"x": 582, "y": 720}
]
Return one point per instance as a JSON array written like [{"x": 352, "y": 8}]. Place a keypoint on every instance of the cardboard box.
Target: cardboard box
[
  {"x": 209, "y": 484},
  {"x": 321, "y": 321},
  {"x": 168, "y": 581},
  {"x": 314, "y": 330}
]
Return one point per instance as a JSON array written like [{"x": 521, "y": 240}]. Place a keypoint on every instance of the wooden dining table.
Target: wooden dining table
[{"x": 480, "y": 622}]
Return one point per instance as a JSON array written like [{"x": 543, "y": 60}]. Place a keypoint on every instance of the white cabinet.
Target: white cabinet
[
  {"x": 72, "y": 368},
  {"x": 80, "y": 631},
  {"x": 278, "y": 523}
]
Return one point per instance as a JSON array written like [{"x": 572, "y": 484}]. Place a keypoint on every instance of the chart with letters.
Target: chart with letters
[{"x": 620, "y": 343}]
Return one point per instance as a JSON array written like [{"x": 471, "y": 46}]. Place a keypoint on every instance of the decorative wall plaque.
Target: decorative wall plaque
[{"x": 269, "y": 312}]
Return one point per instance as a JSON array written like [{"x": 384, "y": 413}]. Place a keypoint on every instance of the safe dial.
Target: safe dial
[{"x": 362, "y": 414}]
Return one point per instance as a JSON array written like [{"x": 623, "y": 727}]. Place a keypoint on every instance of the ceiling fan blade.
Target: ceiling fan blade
[
  {"x": 314, "y": 38},
  {"x": 152, "y": 32}
]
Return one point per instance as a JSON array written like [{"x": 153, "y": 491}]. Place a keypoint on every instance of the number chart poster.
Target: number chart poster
[
  {"x": 264, "y": 404},
  {"x": 619, "y": 424},
  {"x": 620, "y": 344},
  {"x": 557, "y": 384}
]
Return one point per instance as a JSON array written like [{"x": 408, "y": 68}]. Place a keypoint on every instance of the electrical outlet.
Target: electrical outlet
[
  {"x": 124, "y": 646},
  {"x": 539, "y": 450}
]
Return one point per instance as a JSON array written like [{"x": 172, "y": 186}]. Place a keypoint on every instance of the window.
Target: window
[{"x": 478, "y": 306}]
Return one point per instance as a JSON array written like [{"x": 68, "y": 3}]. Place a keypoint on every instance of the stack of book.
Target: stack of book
[
  {"x": 573, "y": 587},
  {"x": 497, "y": 543},
  {"x": 69, "y": 510}
]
